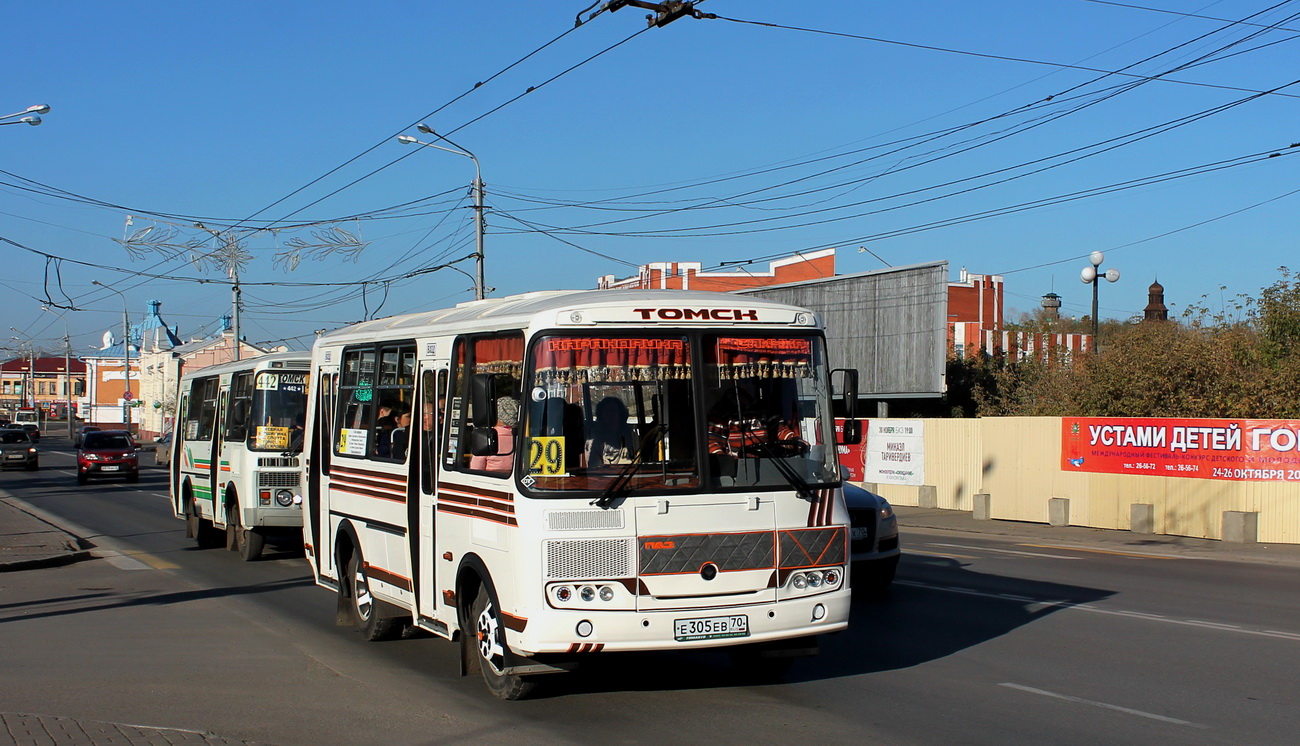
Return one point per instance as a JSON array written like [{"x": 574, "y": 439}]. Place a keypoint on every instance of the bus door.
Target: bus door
[
  {"x": 317, "y": 455},
  {"x": 214, "y": 455},
  {"x": 423, "y": 513},
  {"x": 231, "y": 446}
]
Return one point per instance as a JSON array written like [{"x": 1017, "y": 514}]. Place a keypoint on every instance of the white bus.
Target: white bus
[
  {"x": 548, "y": 476},
  {"x": 235, "y": 463}
]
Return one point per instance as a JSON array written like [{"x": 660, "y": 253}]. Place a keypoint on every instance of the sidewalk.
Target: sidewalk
[
  {"x": 1095, "y": 539},
  {"x": 28, "y": 542},
  {"x": 44, "y": 730}
]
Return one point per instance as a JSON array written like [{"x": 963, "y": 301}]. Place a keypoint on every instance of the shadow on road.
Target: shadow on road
[
  {"x": 936, "y": 608},
  {"x": 121, "y": 601}
]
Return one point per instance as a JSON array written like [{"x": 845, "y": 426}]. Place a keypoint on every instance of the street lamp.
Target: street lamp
[
  {"x": 480, "y": 225},
  {"x": 29, "y": 381},
  {"x": 126, "y": 356},
  {"x": 67, "y": 369},
  {"x": 31, "y": 113},
  {"x": 1092, "y": 276}
]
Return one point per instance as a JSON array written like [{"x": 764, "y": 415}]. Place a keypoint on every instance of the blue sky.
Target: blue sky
[{"x": 986, "y": 134}]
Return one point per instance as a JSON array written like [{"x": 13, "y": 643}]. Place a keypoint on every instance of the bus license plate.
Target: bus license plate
[
  {"x": 711, "y": 628},
  {"x": 108, "y": 468}
]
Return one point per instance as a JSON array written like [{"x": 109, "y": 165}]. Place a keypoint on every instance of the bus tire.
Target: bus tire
[
  {"x": 198, "y": 528},
  {"x": 487, "y": 636},
  {"x": 248, "y": 541},
  {"x": 365, "y": 607}
]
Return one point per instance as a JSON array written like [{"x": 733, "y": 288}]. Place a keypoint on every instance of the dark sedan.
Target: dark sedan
[
  {"x": 873, "y": 541},
  {"x": 18, "y": 449}
]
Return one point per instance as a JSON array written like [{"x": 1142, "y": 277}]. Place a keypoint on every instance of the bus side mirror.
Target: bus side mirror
[
  {"x": 852, "y": 433},
  {"x": 483, "y": 398},
  {"x": 483, "y": 441},
  {"x": 848, "y": 390}
]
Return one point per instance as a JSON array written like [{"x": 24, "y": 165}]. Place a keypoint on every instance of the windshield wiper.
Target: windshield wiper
[
  {"x": 624, "y": 477},
  {"x": 802, "y": 488}
]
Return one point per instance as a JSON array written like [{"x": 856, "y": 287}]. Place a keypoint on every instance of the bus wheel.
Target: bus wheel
[
  {"x": 199, "y": 529},
  {"x": 365, "y": 608},
  {"x": 248, "y": 542},
  {"x": 489, "y": 641}
]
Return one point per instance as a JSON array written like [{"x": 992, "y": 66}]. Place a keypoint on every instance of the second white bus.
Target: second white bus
[{"x": 235, "y": 469}]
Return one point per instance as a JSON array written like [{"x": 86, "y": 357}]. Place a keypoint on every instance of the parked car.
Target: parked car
[
  {"x": 18, "y": 449},
  {"x": 33, "y": 430},
  {"x": 873, "y": 539},
  {"x": 81, "y": 434},
  {"x": 162, "y": 449},
  {"x": 108, "y": 453}
]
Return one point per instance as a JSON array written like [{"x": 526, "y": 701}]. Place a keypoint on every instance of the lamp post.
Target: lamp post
[
  {"x": 126, "y": 356},
  {"x": 32, "y": 115},
  {"x": 1092, "y": 276},
  {"x": 29, "y": 381},
  {"x": 479, "y": 224},
  {"x": 67, "y": 370}
]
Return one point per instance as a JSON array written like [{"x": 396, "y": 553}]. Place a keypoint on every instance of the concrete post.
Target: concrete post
[
  {"x": 1240, "y": 527},
  {"x": 983, "y": 507},
  {"x": 1142, "y": 518},
  {"x": 1058, "y": 511},
  {"x": 928, "y": 497}
]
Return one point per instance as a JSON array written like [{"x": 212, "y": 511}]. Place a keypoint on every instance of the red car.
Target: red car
[{"x": 108, "y": 453}]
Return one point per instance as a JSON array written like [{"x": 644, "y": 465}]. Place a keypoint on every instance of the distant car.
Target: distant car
[
  {"x": 873, "y": 539},
  {"x": 162, "y": 449},
  {"x": 18, "y": 449},
  {"x": 33, "y": 430},
  {"x": 81, "y": 434},
  {"x": 108, "y": 453}
]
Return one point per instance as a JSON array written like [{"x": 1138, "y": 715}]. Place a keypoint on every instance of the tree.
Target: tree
[{"x": 1242, "y": 362}]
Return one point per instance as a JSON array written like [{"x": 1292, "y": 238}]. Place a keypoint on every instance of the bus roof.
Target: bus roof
[
  {"x": 520, "y": 311},
  {"x": 302, "y": 357}
]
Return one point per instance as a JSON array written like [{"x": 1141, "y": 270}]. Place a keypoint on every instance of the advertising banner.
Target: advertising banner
[
  {"x": 853, "y": 458},
  {"x": 1237, "y": 450},
  {"x": 895, "y": 452}
]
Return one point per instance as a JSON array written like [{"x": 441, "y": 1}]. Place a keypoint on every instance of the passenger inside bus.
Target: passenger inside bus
[
  {"x": 507, "y": 417},
  {"x": 400, "y": 438},
  {"x": 612, "y": 440}
]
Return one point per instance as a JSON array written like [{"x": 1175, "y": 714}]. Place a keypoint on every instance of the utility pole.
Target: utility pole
[
  {"x": 67, "y": 380},
  {"x": 480, "y": 227}
]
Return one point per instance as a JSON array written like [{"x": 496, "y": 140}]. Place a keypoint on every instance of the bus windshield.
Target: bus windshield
[
  {"x": 279, "y": 411},
  {"x": 631, "y": 414}
]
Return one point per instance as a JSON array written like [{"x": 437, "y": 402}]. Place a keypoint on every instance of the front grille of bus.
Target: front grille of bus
[
  {"x": 278, "y": 463},
  {"x": 277, "y": 479},
  {"x": 583, "y": 520},
  {"x": 574, "y": 559}
]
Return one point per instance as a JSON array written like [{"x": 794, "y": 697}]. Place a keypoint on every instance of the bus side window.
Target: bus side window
[
  {"x": 356, "y": 402},
  {"x": 485, "y": 394}
]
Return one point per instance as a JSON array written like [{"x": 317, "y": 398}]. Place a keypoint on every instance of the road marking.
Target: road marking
[
  {"x": 1103, "y": 705},
  {"x": 1005, "y": 551},
  {"x": 911, "y": 551},
  {"x": 1065, "y": 605},
  {"x": 1139, "y": 555}
]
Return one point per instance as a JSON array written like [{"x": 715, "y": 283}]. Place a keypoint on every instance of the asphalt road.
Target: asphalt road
[{"x": 983, "y": 640}]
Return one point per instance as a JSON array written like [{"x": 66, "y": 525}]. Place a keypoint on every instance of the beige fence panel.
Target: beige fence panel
[{"x": 1016, "y": 460}]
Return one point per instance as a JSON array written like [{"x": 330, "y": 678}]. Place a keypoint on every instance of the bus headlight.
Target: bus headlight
[{"x": 284, "y": 498}]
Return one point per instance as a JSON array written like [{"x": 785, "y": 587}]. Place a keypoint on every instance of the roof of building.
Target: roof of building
[{"x": 51, "y": 365}]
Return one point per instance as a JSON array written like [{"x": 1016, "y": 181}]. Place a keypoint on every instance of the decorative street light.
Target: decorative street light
[
  {"x": 480, "y": 226},
  {"x": 1091, "y": 276},
  {"x": 32, "y": 115},
  {"x": 126, "y": 356}
]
